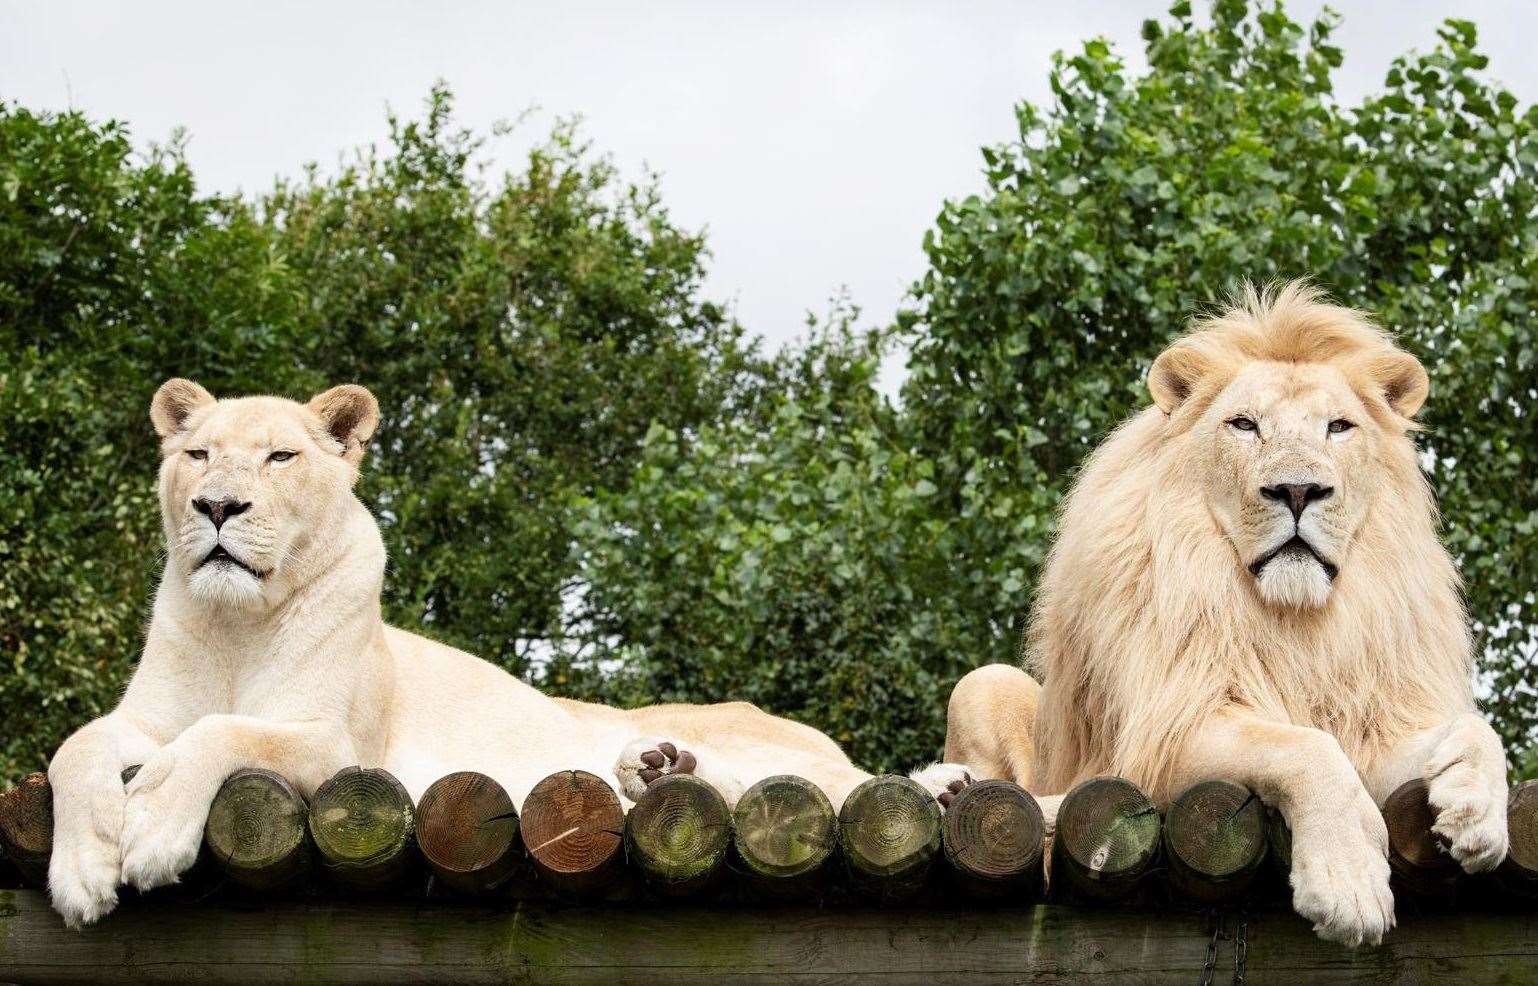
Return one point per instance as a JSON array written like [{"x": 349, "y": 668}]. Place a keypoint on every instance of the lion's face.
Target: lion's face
[
  {"x": 1289, "y": 452},
  {"x": 246, "y": 483}
]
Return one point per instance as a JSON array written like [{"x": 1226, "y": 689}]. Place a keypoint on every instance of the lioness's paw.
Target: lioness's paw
[
  {"x": 943, "y": 780},
  {"x": 1340, "y": 873},
  {"x": 162, "y": 823},
  {"x": 82, "y": 877},
  {"x": 83, "y": 871},
  {"x": 645, "y": 760},
  {"x": 1469, "y": 799}
]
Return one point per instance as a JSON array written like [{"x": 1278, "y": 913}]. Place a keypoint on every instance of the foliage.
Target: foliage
[
  {"x": 797, "y": 564},
  {"x": 1135, "y": 200},
  {"x": 588, "y": 475},
  {"x": 522, "y": 335}
]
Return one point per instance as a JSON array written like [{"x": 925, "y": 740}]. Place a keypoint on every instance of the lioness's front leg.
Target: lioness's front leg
[
  {"x": 168, "y": 800},
  {"x": 1340, "y": 869},
  {"x": 88, "y": 800},
  {"x": 1464, "y": 767}
]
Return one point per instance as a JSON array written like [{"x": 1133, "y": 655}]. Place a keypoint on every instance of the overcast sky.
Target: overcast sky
[{"x": 814, "y": 142}]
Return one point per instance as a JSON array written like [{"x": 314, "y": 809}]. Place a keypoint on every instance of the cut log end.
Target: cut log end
[
  {"x": 1107, "y": 836},
  {"x": 784, "y": 831},
  {"x": 467, "y": 830},
  {"x": 1418, "y": 856},
  {"x": 992, "y": 835},
  {"x": 257, "y": 830},
  {"x": 1519, "y": 871},
  {"x": 362, "y": 824},
  {"x": 678, "y": 834},
  {"x": 889, "y": 830},
  {"x": 1215, "y": 841},
  {"x": 574, "y": 827},
  {"x": 26, "y": 827}
]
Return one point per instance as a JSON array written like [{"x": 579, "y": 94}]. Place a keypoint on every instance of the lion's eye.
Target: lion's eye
[
  {"x": 198, "y": 453},
  {"x": 282, "y": 455},
  {"x": 1242, "y": 423},
  {"x": 1339, "y": 425}
]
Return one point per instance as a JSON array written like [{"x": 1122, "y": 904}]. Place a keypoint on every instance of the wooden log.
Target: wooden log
[
  {"x": 574, "y": 828},
  {"x": 1518, "y": 872},
  {"x": 1106, "y": 841},
  {"x": 784, "y": 833},
  {"x": 362, "y": 823},
  {"x": 1417, "y": 856},
  {"x": 257, "y": 830},
  {"x": 678, "y": 835},
  {"x": 1214, "y": 837},
  {"x": 26, "y": 827},
  {"x": 889, "y": 833},
  {"x": 467, "y": 829},
  {"x": 992, "y": 835}
]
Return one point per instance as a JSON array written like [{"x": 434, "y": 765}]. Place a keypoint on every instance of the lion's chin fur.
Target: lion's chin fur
[
  {"x": 1294, "y": 582},
  {"x": 224, "y": 586}
]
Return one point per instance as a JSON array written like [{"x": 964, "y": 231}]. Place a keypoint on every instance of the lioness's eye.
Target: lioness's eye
[
  {"x": 198, "y": 453},
  {"x": 1242, "y": 423},
  {"x": 1339, "y": 425},
  {"x": 282, "y": 455}
]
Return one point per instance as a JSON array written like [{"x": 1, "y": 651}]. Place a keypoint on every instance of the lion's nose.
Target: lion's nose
[
  {"x": 219, "y": 511},
  {"x": 1297, "y": 496}
]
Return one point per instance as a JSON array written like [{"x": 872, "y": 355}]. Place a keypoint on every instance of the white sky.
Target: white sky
[{"x": 814, "y": 142}]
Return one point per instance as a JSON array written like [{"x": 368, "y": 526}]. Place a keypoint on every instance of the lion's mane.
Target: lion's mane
[{"x": 1145, "y": 622}]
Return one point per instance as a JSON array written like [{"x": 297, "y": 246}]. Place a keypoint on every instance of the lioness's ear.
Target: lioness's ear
[
  {"x": 1403, "y": 380},
  {"x": 1175, "y": 374},
  {"x": 173, "y": 402},
  {"x": 350, "y": 415}
]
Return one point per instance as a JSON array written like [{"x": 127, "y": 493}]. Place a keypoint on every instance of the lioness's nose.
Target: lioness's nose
[
  {"x": 1297, "y": 496},
  {"x": 219, "y": 511}
]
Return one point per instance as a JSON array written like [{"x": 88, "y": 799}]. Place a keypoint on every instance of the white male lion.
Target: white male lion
[
  {"x": 1247, "y": 584},
  {"x": 266, "y": 649}
]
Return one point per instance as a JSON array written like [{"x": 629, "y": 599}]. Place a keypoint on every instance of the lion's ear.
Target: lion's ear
[
  {"x": 350, "y": 414},
  {"x": 1403, "y": 380},
  {"x": 173, "y": 403},
  {"x": 1175, "y": 374}
]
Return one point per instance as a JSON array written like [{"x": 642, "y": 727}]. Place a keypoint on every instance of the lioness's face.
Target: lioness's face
[
  {"x": 1291, "y": 468},
  {"x": 245, "y": 483}
]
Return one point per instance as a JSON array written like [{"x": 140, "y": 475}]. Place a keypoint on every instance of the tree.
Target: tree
[
  {"x": 1134, "y": 201},
  {"x": 522, "y": 333},
  {"x": 793, "y": 561}
]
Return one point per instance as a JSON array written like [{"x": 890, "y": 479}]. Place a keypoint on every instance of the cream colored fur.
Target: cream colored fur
[
  {"x": 276, "y": 657},
  {"x": 1170, "y": 650}
]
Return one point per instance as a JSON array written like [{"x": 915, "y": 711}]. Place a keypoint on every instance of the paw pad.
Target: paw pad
[
  {"x": 954, "y": 788},
  {"x": 665, "y": 759}
]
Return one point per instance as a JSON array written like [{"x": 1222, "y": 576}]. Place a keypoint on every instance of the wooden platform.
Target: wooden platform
[{"x": 426, "y": 942}]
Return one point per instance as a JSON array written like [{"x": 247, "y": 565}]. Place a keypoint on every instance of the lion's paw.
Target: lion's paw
[
  {"x": 83, "y": 877},
  {"x": 162, "y": 825},
  {"x": 1470, "y": 805},
  {"x": 943, "y": 780},
  {"x": 645, "y": 760},
  {"x": 1340, "y": 873}
]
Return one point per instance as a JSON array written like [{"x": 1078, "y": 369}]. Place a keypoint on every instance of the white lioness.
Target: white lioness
[
  {"x": 1247, "y": 584},
  {"x": 266, "y": 649}
]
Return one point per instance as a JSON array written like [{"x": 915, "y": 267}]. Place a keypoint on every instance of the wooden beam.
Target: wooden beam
[{"x": 396, "y": 941}]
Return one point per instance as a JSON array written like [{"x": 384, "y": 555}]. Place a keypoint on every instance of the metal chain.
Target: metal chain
[
  {"x": 1215, "y": 932},
  {"x": 1241, "y": 948}
]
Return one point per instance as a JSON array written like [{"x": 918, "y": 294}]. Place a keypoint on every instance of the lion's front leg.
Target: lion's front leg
[
  {"x": 1340, "y": 871},
  {"x": 168, "y": 800},
  {"x": 1464, "y": 767},
  {"x": 88, "y": 801}
]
